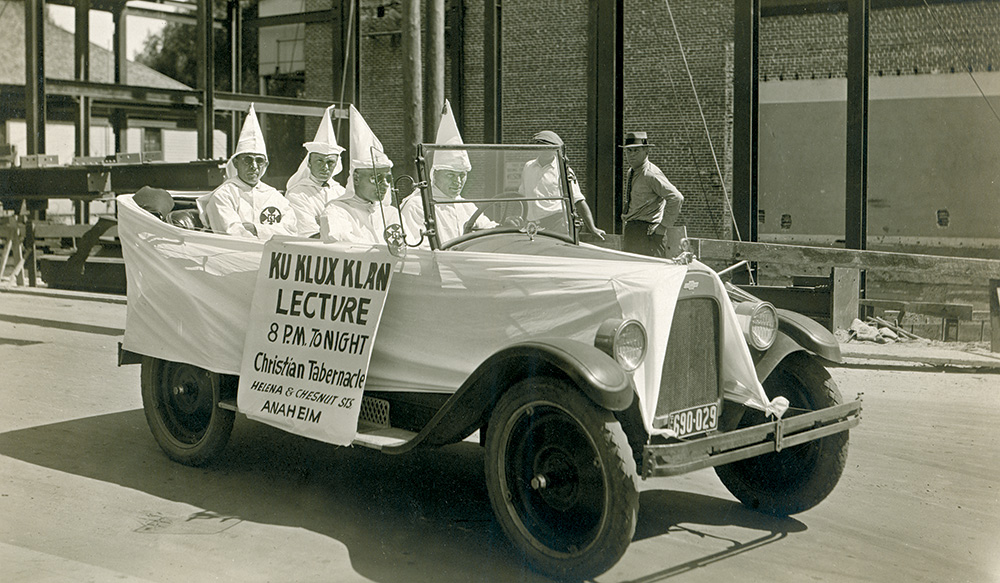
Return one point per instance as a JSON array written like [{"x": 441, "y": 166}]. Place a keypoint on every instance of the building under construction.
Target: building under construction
[{"x": 865, "y": 124}]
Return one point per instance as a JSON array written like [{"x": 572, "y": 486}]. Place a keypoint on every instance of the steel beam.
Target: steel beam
[
  {"x": 270, "y": 104},
  {"x": 123, "y": 94},
  {"x": 297, "y": 18}
]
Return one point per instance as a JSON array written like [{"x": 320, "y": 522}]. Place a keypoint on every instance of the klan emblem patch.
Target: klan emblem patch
[{"x": 270, "y": 216}]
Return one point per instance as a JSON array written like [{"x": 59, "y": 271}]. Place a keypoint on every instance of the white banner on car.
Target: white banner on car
[{"x": 313, "y": 318}]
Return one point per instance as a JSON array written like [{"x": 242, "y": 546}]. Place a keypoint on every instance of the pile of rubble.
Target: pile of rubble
[{"x": 875, "y": 330}]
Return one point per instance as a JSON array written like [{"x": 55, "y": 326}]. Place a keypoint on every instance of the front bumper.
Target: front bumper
[{"x": 722, "y": 448}]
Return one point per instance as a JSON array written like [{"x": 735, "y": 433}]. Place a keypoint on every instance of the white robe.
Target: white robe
[
  {"x": 450, "y": 218},
  {"x": 309, "y": 199},
  {"x": 235, "y": 202},
  {"x": 353, "y": 220}
]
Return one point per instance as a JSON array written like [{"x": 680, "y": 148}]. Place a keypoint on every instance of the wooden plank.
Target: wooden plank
[
  {"x": 939, "y": 310},
  {"x": 846, "y": 286},
  {"x": 933, "y": 266},
  {"x": 60, "y": 231},
  {"x": 994, "y": 292}
]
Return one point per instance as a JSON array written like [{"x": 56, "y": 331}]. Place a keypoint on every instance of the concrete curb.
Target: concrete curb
[
  {"x": 65, "y": 294},
  {"x": 876, "y": 355}
]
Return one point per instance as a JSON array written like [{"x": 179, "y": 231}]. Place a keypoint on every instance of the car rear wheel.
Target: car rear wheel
[
  {"x": 561, "y": 478},
  {"x": 800, "y": 477},
  {"x": 181, "y": 402}
]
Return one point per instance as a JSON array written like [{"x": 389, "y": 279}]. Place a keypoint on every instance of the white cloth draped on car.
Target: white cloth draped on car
[{"x": 189, "y": 296}]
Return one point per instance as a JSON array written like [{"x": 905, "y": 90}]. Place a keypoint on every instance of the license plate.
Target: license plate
[{"x": 694, "y": 420}]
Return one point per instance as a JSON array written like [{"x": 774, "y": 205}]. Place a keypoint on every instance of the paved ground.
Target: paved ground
[{"x": 86, "y": 495}]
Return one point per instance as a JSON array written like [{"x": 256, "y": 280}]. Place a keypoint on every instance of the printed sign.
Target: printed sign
[{"x": 314, "y": 315}]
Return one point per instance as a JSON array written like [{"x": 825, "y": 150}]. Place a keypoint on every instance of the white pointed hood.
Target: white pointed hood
[
  {"x": 251, "y": 141},
  {"x": 448, "y": 134},
  {"x": 366, "y": 149},
  {"x": 325, "y": 142}
]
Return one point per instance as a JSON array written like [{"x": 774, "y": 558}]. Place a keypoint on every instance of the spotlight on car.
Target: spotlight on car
[
  {"x": 623, "y": 340},
  {"x": 759, "y": 322}
]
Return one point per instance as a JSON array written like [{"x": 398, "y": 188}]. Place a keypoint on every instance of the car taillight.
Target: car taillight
[
  {"x": 759, "y": 322},
  {"x": 623, "y": 340}
]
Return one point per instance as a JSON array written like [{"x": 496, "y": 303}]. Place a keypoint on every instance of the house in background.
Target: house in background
[{"x": 157, "y": 137}]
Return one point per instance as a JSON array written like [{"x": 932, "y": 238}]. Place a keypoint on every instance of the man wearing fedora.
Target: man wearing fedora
[{"x": 652, "y": 203}]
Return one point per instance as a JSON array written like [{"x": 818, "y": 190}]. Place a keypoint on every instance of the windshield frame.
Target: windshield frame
[{"x": 423, "y": 166}]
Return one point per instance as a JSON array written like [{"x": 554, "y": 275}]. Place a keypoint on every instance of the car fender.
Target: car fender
[
  {"x": 595, "y": 373},
  {"x": 796, "y": 333}
]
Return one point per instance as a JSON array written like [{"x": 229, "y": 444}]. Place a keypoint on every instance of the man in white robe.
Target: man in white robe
[
  {"x": 244, "y": 205},
  {"x": 449, "y": 171},
  {"x": 365, "y": 213},
  {"x": 312, "y": 187}
]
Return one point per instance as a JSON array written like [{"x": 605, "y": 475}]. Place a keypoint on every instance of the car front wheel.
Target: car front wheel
[
  {"x": 181, "y": 402},
  {"x": 561, "y": 478},
  {"x": 799, "y": 477}
]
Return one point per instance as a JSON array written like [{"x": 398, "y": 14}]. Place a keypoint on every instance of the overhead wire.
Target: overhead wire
[
  {"x": 708, "y": 134},
  {"x": 971, "y": 76}
]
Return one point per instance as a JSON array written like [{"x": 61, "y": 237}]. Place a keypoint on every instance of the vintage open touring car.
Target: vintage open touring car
[{"x": 584, "y": 369}]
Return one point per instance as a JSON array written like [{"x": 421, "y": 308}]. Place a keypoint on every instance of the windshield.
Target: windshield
[{"x": 495, "y": 188}]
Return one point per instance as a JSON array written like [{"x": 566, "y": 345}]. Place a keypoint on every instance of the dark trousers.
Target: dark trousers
[{"x": 637, "y": 241}]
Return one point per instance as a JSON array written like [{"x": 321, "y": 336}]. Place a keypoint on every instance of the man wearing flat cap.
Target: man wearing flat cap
[
  {"x": 541, "y": 178},
  {"x": 652, "y": 203}
]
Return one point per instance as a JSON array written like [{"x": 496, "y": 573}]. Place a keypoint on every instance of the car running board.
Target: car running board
[{"x": 374, "y": 430}]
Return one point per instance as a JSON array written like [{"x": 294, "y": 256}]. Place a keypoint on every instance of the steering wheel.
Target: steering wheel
[{"x": 511, "y": 219}]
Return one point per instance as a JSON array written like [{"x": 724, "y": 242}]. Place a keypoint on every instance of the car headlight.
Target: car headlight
[
  {"x": 759, "y": 322},
  {"x": 623, "y": 340}
]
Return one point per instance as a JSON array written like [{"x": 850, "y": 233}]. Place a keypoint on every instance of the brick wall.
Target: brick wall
[
  {"x": 545, "y": 74},
  {"x": 939, "y": 38},
  {"x": 660, "y": 100}
]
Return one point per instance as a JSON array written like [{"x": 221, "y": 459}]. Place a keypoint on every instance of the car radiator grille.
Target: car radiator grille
[{"x": 691, "y": 366}]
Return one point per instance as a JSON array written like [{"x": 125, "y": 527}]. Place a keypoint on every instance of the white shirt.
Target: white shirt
[
  {"x": 353, "y": 220},
  {"x": 308, "y": 199},
  {"x": 450, "y": 217},
  {"x": 235, "y": 202},
  {"x": 543, "y": 181}
]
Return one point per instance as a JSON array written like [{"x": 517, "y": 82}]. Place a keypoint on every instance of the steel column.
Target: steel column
[
  {"x": 81, "y": 72},
  {"x": 605, "y": 124},
  {"x": 412, "y": 85},
  {"x": 492, "y": 73},
  {"x": 454, "y": 41},
  {"x": 745, "y": 118},
  {"x": 856, "y": 216},
  {"x": 206, "y": 79},
  {"x": 34, "y": 77},
  {"x": 434, "y": 76},
  {"x": 119, "y": 120},
  {"x": 235, "y": 23}
]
